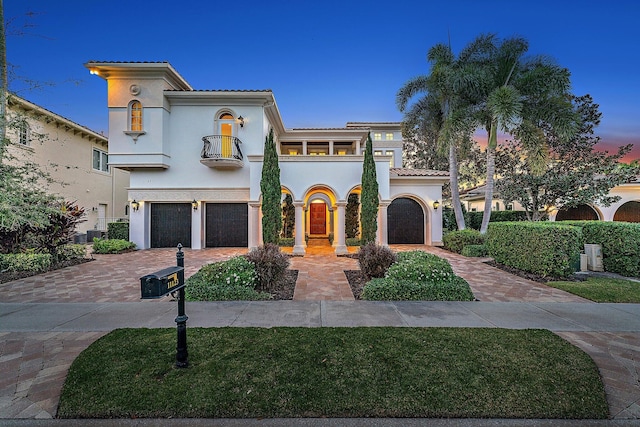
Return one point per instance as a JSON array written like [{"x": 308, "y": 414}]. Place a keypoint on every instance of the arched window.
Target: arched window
[{"x": 135, "y": 116}]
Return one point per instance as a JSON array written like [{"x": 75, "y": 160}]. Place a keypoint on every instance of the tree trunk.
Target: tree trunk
[
  {"x": 488, "y": 195},
  {"x": 455, "y": 192}
]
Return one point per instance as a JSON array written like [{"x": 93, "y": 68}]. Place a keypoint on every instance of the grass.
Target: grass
[
  {"x": 602, "y": 289},
  {"x": 334, "y": 372}
]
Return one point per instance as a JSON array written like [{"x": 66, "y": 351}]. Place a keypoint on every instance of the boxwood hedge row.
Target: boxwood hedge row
[
  {"x": 620, "y": 243},
  {"x": 548, "y": 249}
]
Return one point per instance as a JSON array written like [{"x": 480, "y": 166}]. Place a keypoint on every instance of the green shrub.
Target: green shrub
[
  {"x": 474, "y": 251},
  {"x": 546, "y": 249},
  {"x": 234, "y": 279},
  {"x": 118, "y": 230},
  {"x": 287, "y": 242},
  {"x": 620, "y": 243},
  {"x": 111, "y": 246},
  {"x": 270, "y": 265},
  {"x": 31, "y": 262},
  {"x": 331, "y": 238},
  {"x": 374, "y": 259},
  {"x": 421, "y": 267},
  {"x": 71, "y": 251},
  {"x": 454, "y": 241},
  {"x": 405, "y": 290},
  {"x": 352, "y": 241}
]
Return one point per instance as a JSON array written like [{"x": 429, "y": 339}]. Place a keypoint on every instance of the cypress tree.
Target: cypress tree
[
  {"x": 369, "y": 196},
  {"x": 271, "y": 193}
]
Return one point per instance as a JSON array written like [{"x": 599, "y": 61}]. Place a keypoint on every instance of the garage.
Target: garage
[
  {"x": 227, "y": 225},
  {"x": 170, "y": 225},
  {"x": 405, "y": 222}
]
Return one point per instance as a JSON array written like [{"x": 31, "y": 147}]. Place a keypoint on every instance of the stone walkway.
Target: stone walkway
[{"x": 33, "y": 365}]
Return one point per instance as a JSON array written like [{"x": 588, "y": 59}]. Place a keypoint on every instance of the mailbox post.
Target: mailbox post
[
  {"x": 181, "y": 321},
  {"x": 161, "y": 283}
]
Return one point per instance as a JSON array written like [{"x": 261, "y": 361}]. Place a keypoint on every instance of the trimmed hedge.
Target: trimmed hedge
[
  {"x": 418, "y": 276},
  {"x": 620, "y": 243},
  {"x": 35, "y": 263},
  {"x": 544, "y": 248},
  {"x": 473, "y": 220},
  {"x": 474, "y": 251},
  {"x": 71, "y": 251},
  {"x": 118, "y": 230},
  {"x": 234, "y": 279},
  {"x": 455, "y": 241},
  {"x": 352, "y": 241},
  {"x": 387, "y": 290},
  {"x": 112, "y": 246},
  {"x": 287, "y": 242}
]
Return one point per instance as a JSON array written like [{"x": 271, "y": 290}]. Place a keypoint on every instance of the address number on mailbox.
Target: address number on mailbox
[{"x": 162, "y": 282}]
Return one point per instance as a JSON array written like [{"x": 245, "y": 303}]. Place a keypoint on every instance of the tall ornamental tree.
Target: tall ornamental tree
[
  {"x": 271, "y": 193},
  {"x": 369, "y": 196},
  {"x": 445, "y": 109},
  {"x": 4, "y": 83},
  {"x": 575, "y": 173},
  {"x": 520, "y": 94}
]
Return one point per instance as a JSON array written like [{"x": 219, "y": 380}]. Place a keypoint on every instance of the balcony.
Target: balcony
[{"x": 222, "y": 152}]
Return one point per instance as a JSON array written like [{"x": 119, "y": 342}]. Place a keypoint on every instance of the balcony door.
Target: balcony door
[{"x": 226, "y": 122}]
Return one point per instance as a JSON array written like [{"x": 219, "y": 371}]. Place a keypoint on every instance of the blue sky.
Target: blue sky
[{"x": 328, "y": 62}]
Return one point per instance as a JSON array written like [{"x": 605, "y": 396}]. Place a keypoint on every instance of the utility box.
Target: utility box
[
  {"x": 160, "y": 283},
  {"x": 594, "y": 257}
]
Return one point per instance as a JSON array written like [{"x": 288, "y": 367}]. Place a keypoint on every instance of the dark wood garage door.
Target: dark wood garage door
[
  {"x": 227, "y": 225},
  {"x": 170, "y": 225},
  {"x": 629, "y": 212},
  {"x": 405, "y": 222},
  {"x": 581, "y": 213}
]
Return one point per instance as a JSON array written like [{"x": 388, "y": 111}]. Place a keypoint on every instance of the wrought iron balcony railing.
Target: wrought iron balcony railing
[{"x": 221, "y": 151}]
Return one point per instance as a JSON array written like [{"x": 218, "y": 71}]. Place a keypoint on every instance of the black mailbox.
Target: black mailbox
[{"x": 162, "y": 282}]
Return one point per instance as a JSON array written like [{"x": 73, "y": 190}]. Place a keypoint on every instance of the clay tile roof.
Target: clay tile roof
[{"x": 417, "y": 172}]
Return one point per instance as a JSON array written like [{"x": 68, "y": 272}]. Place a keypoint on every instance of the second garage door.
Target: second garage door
[
  {"x": 227, "y": 225},
  {"x": 405, "y": 222}
]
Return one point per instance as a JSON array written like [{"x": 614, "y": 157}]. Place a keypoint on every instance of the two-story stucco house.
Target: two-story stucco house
[
  {"x": 75, "y": 157},
  {"x": 195, "y": 158}
]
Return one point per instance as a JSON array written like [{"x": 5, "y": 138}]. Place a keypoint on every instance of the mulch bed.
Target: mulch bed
[
  {"x": 9, "y": 276},
  {"x": 284, "y": 290},
  {"x": 356, "y": 280}
]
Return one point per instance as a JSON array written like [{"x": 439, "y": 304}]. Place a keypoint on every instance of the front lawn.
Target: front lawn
[
  {"x": 334, "y": 372},
  {"x": 602, "y": 289}
]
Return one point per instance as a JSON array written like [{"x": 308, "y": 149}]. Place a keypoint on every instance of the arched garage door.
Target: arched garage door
[
  {"x": 227, "y": 225},
  {"x": 170, "y": 225},
  {"x": 580, "y": 212},
  {"x": 629, "y": 212},
  {"x": 405, "y": 222}
]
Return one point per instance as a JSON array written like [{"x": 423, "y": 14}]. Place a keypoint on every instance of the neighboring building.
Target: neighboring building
[
  {"x": 196, "y": 160},
  {"x": 75, "y": 157},
  {"x": 626, "y": 209}
]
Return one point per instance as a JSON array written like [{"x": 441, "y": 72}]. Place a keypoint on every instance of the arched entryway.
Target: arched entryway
[
  {"x": 629, "y": 212},
  {"x": 580, "y": 212},
  {"x": 405, "y": 222}
]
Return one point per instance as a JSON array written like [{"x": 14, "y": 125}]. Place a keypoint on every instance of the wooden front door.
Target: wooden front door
[{"x": 318, "y": 218}]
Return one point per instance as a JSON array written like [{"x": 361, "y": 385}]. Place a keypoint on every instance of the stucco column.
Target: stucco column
[
  {"x": 358, "y": 148},
  {"x": 196, "y": 227},
  {"x": 298, "y": 248},
  {"x": 331, "y": 148},
  {"x": 304, "y": 148},
  {"x": 254, "y": 225},
  {"x": 382, "y": 222},
  {"x": 139, "y": 233},
  {"x": 339, "y": 238}
]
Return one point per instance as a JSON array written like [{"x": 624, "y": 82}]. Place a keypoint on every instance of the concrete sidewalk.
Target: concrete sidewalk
[{"x": 103, "y": 317}]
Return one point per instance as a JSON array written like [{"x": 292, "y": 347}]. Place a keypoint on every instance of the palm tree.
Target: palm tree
[
  {"x": 446, "y": 106},
  {"x": 520, "y": 94}
]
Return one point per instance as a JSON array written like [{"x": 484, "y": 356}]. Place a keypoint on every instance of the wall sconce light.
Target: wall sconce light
[
  {"x": 194, "y": 204},
  {"x": 241, "y": 121},
  {"x": 135, "y": 205},
  {"x": 435, "y": 205}
]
